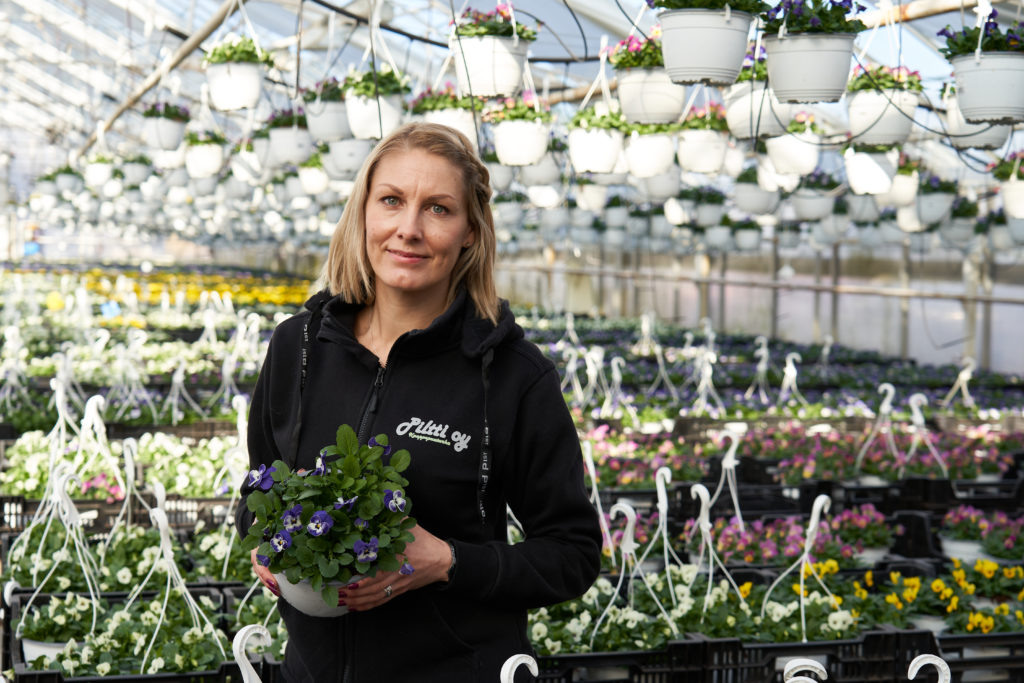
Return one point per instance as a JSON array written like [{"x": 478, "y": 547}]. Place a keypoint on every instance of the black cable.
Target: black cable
[
  {"x": 625, "y": 14},
  {"x": 583, "y": 33}
]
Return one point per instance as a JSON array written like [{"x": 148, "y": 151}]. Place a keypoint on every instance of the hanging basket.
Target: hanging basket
[
  {"x": 520, "y": 143},
  {"x": 794, "y": 153},
  {"x": 290, "y": 145},
  {"x": 999, "y": 238},
  {"x": 660, "y": 187},
  {"x": 891, "y": 233},
  {"x": 591, "y": 197},
  {"x": 459, "y": 119},
  {"x": 302, "y": 597},
  {"x": 163, "y": 133},
  {"x": 702, "y": 151},
  {"x": 718, "y": 237},
  {"x": 95, "y": 175},
  {"x": 594, "y": 150},
  {"x": 648, "y": 155},
  {"x": 134, "y": 173},
  {"x": 373, "y": 117},
  {"x": 862, "y": 208},
  {"x": 203, "y": 161},
  {"x": 809, "y": 67},
  {"x": 812, "y": 205},
  {"x": 1016, "y": 228},
  {"x": 989, "y": 88},
  {"x": 327, "y": 121},
  {"x": 616, "y": 216},
  {"x": 488, "y": 66},
  {"x": 709, "y": 215},
  {"x": 752, "y": 109},
  {"x": 234, "y": 85},
  {"x": 958, "y": 232},
  {"x": 704, "y": 45},
  {"x": 501, "y": 176},
  {"x": 882, "y": 118},
  {"x": 934, "y": 206},
  {"x": 869, "y": 173},
  {"x": 903, "y": 191},
  {"x": 747, "y": 239},
  {"x": 751, "y": 198},
  {"x": 789, "y": 238},
  {"x": 314, "y": 180},
  {"x": 545, "y": 172},
  {"x": 963, "y": 135},
  {"x": 649, "y": 95},
  {"x": 773, "y": 181},
  {"x": 1012, "y": 192}
]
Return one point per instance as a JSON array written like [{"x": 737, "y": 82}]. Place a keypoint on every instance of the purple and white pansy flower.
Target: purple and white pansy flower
[
  {"x": 292, "y": 519},
  {"x": 281, "y": 541},
  {"x": 320, "y": 523},
  {"x": 261, "y": 479},
  {"x": 394, "y": 500},
  {"x": 342, "y": 502},
  {"x": 366, "y": 551}
]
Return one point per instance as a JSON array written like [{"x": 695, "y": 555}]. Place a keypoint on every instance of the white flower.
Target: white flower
[
  {"x": 840, "y": 620},
  {"x": 539, "y": 631},
  {"x": 156, "y": 665},
  {"x": 103, "y": 668},
  {"x": 60, "y": 620},
  {"x": 553, "y": 646},
  {"x": 124, "y": 575}
]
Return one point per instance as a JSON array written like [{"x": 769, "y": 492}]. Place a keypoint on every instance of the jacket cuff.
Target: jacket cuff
[{"x": 476, "y": 569}]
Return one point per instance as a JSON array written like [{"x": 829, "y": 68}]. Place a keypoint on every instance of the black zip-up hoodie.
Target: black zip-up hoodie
[{"x": 440, "y": 390}]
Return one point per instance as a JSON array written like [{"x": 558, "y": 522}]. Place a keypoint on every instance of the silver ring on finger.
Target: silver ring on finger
[{"x": 387, "y": 591}]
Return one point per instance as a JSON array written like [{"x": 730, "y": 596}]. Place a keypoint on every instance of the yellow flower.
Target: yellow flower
[
  {"x": 938, "y": 586},
  {"x": 1002, "y": 609},
  {"x": 953, "y": 604},
  {"x": 745, "y": 589},
  {"x": 831, "y": 566},
  {"x": 894, "y": 577},
  {"x": 859, "y": 592},
  {"x": 986, "y": 568},
  {"x": 837, "y": 600},
  {"x": 894, "y": 600},
  {"x": 796, "y": 589},
  {"x": 1010, "y": 572},
  {"x": 956, "y": 563},
  {"x": 869, "y": 578}
]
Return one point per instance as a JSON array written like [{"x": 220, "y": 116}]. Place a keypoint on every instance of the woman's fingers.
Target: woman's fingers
[{"x": 264, "y": 575}]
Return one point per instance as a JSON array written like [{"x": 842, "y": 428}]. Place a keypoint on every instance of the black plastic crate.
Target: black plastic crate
[
  {"x": 227, "y": 673},
  {"x": 201, "y": 429},
  {"x": 612, "y": 667},
  {"x": 185, "y": 512},
  {"x": 994, "y": 656}
]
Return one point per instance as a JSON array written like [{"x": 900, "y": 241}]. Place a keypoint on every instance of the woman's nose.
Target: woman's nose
[{"x": 409, "y": 226}]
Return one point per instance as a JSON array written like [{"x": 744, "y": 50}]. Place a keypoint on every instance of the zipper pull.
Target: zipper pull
[{"x": 377, "y": 384}]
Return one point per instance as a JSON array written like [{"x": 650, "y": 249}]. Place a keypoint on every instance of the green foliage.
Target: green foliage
[
  {"x": 386, "y": 82},
  {"x": 1003, "y": 169},
  {"x": 634, "y": 53},
  {"x": 497, "y": 22},
  {"x": 590, "y": 118},
  {"x": 814, "y": 16},
  {"x": 237, "y": 49},
  {"x": 445, "y": 98},
  {"x": 884, "y": 77},
  {"x": 512, "y": 109},
  {"x": 751, "y": 6},
  {"x": 711, "y": 117},
  {"x": 287, "y": 118},
  {"x": 329, "y": 90},
  {"x": 652, "y": 128},
  {"x": 803, "y": 122},
  {"x": 747, "y": 175},
  {"x": 166, "y": 110},
  {"x": 965, "y": 42},
  {"x": 204, "y": 137}
]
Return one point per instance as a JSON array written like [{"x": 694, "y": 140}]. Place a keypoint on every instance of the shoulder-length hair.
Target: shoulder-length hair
[{"x": 347, "y": 270}]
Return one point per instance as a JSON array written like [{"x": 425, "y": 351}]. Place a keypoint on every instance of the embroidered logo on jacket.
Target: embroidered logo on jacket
[{"x": 435, "y": 432}]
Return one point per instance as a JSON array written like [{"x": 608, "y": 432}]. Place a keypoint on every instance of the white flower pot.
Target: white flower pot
[
  {"x": 584, "y": 236},
  {"x": 660, "y": 187},
  {"x": 1000, "y": 239},
  {"x": 770, "y": 179},
  {"x": 958, "y": 232},
  {"x": 616, "y": 216},
  {"x": 963, "y": 135},
  {"x": 1016, "y": 228},
  {"x": 1012, "y": 192},
  {"x": 869, "y": 173},
  {"x": 554, "y": 217},
  {"x": 989, "y": 88},
  {"x": 203, "y": 161},
  {"x": 459, "y": 119},
  {"x": 488, "y": 66},
  {"x": 615, "y": 237},
  {"x": 735, "y": 159},
  {"x": 921, "y": 242},
  {"x": 591, "y": 197},
  {"x": 823, "y": 233},
  {"x": 718, "y": 237},
  {"x": 327, "y": 121},
  {"x": 869, "y": 237},
  {"x": 809, "y": 67},
  {"x": 968, "y": 552},
  {"x": 66, "y": 182},
  {"x": 204, "y": 187},
  {"x": 291, "y": 145},
  {"x": 545, "y": 172},
  {"x": 259, "y": 159},
  {"x": 501, "y": 176},
  {"x": 750, "y": 198},
  {"x": 162, "y": 133},
  {"x": 795, "y": 153},
  {"x": 890, "y": 233},
  {"x": 314, "y": 180},
  {"x": 649, "y": 155},
  {"x": 95, "y": 175},
  {"x": 902, "y": 193},
  {"x": 235, "y": 188},
  {"x": 812, "y": 205},
  {"x": 660, "y": 226},
  {"x": 649, "y": 95},
  {"x": 234, "y": 85},
  {"x": 293, "y": 188},
  {"x": 862, "y": 208},
  {"x": 933, "y": 207},
  {"x": 834, "y": 226},
  {"x": 788, "y": 239},
  {"x": 520, "y": 143},
  {"x": 594, "y": 150},
  {"x": 704, "y": 45},
  {"x": 709, "y": 215},
  {"x": 882, "y": 118},
  {"x": 306, "y": 600},
  {"x": 134, "y": 173},
  {"x": 747, "y": 239},
  {"x": 908, "y": 220},
  {"x": 581, "y": 218},
  {"x": 373, "y": 117},
  {"x": 750, "y": 111},
  {"x": 33, "y": 649},
  {"x": 544, "y": 196},
  {"x": 509, "y": 214},
  {"x": 637, "y": 226},
  {"x": 701, "y": 151}
]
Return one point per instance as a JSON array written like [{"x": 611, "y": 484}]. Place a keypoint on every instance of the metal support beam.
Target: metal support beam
[{"x": 917, "y": 9}]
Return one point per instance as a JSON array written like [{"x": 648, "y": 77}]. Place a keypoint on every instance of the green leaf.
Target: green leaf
[
  {"x": 400, "y": 460},
  {"x": 330, "y": 595},
  {"x": 350, "y": 466},
  {"x": 250, "y": 542},
  {"x": 293, "y": 574},
  {"x": 317, "y": 582},
  {"x": 389, "y": 564},
  {"x": 329, "y": 568},
  {"x": 408, "y": 523},
  {"x": 381, "y": 439},
  {"x": 329, "y": 450},
  {"x": 308, "y": 493},
  {"x": 255, "y": 500},
  {"x": 348, "y": 442},
  {"x": 305, "y": 556}
]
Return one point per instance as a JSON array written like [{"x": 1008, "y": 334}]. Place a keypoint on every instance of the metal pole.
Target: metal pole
[
  {"x": 774, "y": 323},
  {"x": 905, "y": 301},
  {"x": 835, "y": 292},
  {"x": 988, "y": 277},
  {"x": 971, "y": 266},
  {"x": 817, "y": 297},
  {"x": 703, "y": 262},
  {"x": 722, "y": 267}
]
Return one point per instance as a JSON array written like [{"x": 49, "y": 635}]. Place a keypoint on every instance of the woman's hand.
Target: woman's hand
[
  {"x": 265, "y": 577},
  {"x": 430, "y": 558}
]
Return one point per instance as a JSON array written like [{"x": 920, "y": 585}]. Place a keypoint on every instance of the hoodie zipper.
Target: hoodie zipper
[{"x": 371, "y": 405}]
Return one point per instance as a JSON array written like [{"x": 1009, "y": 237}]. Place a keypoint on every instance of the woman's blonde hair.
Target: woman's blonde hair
[{"x": 347, "y": 270}]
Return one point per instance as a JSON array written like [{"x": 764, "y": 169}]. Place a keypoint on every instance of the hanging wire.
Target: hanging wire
[
  {"x": 631, "y": 23},
  {"x": 583, "y": 33},
  {"x": 469, "y": 84}
]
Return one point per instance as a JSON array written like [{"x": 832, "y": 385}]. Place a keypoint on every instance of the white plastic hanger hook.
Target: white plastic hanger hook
[
  {"x": 920, "y": 661},
  {"x": 792, "y": 358},
  {"x": 261, "y": 636},
  {"x": 730, "y": 461},
  {"x": 800, "y": 665},
  {"x": 508, "y": 669},
  {"x": 698, "y": 491},
  {"x": 890, "y": 392},
  {"x": 821, "y": 505},
  {"x": 662, "y": 478},
  {"x": 916, "y": 402},
  {"x": 628, "y": 544}
]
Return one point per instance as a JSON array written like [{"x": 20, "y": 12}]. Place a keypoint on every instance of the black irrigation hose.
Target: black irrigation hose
[
  {"x": 583, "y": 34},
  {"x": 630, "y": 19}
]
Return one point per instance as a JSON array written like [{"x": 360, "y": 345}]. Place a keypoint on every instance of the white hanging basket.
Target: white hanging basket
[
  {"x": 33, "y": 649},
  {"x": 812, "y": 205},
  {"x": 520, "y": 143},
  {"x": 459, "y": 119},
  {"x": 545, "y": 172},
  {"x": 660, "y": 187},
  {"x": 747, "y": 239},
  {"x": 882, "y": 118},
  {"x": 891, "y": 233},
  {"x": 751, "y": 198},
  {"x": 735, "y": 158},
  {"x": 591, "y": 197},
  {"x": 958, "y": 232},
  {"x": 95, "y": 175},
  {"x": 770, "y": 179},
  {"x": 1000, "y": 239},
  {"x": 615, "y": 237},
  {"x": 594, "y": 150},
  {"x": 616, "y": 216},
  {"x": 704, "y": 45},
  {"x": 963, "y": 135},
  {"x": 788, "y": 238},
  {"x": 718, "y": 237},
  {"x": 702, "y": 151},
  {"x": 134, "y": 173},
  {"x": 794, "y": 153},
  {"x": 545, "y": 197},
  {"x": 989, "y": 88},
  {"x": 709, "y": 215},
  {"x": 933, "y": 207},
  {"x": 869, "y": 173},
  {"x": 68, "y": 182},
  {"x": 234, "y": 85},
  {"x": 162, "y": 133},
  {"x": 314, "y": 180},
  {"x": 908, "y": 221},
  {"x": 327, "y": 121},
  {"x": 509, "y": 214},
  {"x": 501, "y": 176},
  {"x": 750, "y": 110},
  {"x": 809, "y": 67},
  {"x": 1012, "y": 192},
  {"x": 903, "y": 191},
  {"x": 862, "y": 208},
  {"x": 290, "y": 145},
  {"x": 203, "y": 161},
  {"x": 869, "y": 237},
  {"x": 488, "y": 66},
  {"x": 302, "y": 597},
  {"x": 1016, "y": 228},
  {"x": 649, "y": 95},
  {"x": 648, "y": 155},
  {"x": 373, "y": 117},
  {"x": 921, "y": 242},
  {"x": 823, "y": 234}
]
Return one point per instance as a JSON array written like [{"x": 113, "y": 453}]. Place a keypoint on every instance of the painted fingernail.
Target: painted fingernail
[
  {"x": 341, "y": 603},
  {"x": 342, "y": 594},
  {"x": 352, "y": 586}
]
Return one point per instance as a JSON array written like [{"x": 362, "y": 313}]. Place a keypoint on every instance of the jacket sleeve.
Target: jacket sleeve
[{"x": 561, "y": 555}]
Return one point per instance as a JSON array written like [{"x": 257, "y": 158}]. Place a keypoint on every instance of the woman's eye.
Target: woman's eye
[
  {"x": 438, "y": 209},
  {"x": 390, "y": 201}
]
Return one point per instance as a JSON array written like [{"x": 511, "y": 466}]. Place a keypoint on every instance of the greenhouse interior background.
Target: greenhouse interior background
[{"x": 774, "y": 251}]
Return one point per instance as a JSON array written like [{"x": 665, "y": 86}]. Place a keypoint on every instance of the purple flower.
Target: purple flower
[
  {"x": 366, "y": 552},
  {"x": 361, "y": 523},
  {"x": 815, "y": 21},
  {"x": 394, "y": 500},
  {"x": 261, "y": 479},
  {"x": 650, "y": 3},
  {"x": 946, "y": 32},
  {"x": 282, "y": 540},
  {"x": 406, "y": 569},
  {"x": 347, "y": 504},
  {"x": 291, "y": 520},
  {"x": 320, "y": 523},
  {"x": 321, "y": 468},
  {"x": 262, "y": 560},
  {"x": 373, "y": 442}
]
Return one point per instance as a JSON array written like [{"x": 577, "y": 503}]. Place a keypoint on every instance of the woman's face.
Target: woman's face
[{"x": 416, "y": 223}]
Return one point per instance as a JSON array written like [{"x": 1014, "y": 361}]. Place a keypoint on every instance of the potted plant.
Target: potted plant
[
  {"x": 882, "y": 104},
  {"x": 66, "y": 179},
  {"x": 870, "y": 168},
  {"x": 788, "y": 234},
  {"x": 862, "y": 208},
  {"x": 447, "y": 108},
  {"x": 889, "y": 229},
  {"x": 703, "y": 139},
  {"x": 751, "y": 108},
  {"x": 290, "y": 141},
  {"x": 324, "y": 105},
  {"x": 646, "y": 94},
  {"x": 963, "y": 135},
  {"x": 798, "y": 150},
  {"x": 234, "y": 72},
  {"x": 750, "y": 197},
  {"x": 545, "y": 171},
  {"x": 988, "y": 65},
  {"x": 710, "y": 206},
  {"x": 935, "y": 198},
  {"x": 508, "y": 208},
  {"x": 501, "y": 175},
  {"x": 521, "y": 129},
  {"x": 488, "y": 49},
  {"x": 204, "y": 153},
  {"x": 45, "y": 630},
  {"x": 717, "y": 236},
  {"x": 958, "y": 231},
  {"x": 312, "y": 175},
  {"x": 1001, "y": 235},
  {"x": 704, "y": 40},
  {"x": 373, "y": 101},
  {"x": 98, "y": 170},
  {"x": 164, "y": 124},
  {"x": 595, "y": 139},
  {"x": 746, "y": 234},
  {"x": 590, "y": 195},
  {"x": 1011, "y": 183},
  {"x": 649, "y": 148},
  {"x": 809, "y": 45},
  {"x": 905, "y": 181},
  {"x": 616, "y": 212},
  {"x": 814, "y": 199},
  {"x": 658, "y": 188},
  {"x": 136, "y": 168}
]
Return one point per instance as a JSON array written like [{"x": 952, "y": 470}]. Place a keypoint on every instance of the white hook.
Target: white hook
[
  {"x": 821, "y": 506},
  {"x": 628, "y": 544},
  {"x": 890, "y": 392},
  {"x": 662, "y": 478},
  {"x": 261, "y": 635},
  {"x": 916, "y": 402},
  {"x": 730, "y": 461},
  {"x": 945, "y": 675},
  {"x": 800, "y": 664},
  {"x": 792, "y": 357},
  {"x": 508, "y": 669},
  {"x": 704, "y": 516}
]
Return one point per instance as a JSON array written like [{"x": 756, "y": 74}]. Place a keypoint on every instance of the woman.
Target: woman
[{"x": 409, "y": 339}]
